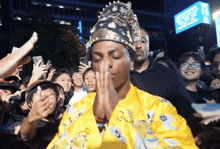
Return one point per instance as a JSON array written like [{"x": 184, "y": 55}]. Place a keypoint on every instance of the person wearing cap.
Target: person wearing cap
[
  {"x": 40, "y": 125},
  {"x": 7, "y": 91},
  {"x": 119, "y": 115}
]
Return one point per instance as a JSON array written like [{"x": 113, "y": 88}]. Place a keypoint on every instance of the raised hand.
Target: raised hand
[
  {"x": 110, "y": 94},
  {"x": 41, "y": 106},
  {"x": 51, "y": 73},
  {"x": 83, "y": 67},
  {"x": 38, "y": 71},
  {"x": 18, "y": 58},
  {"x": 106, "y": 97},
  {"x": 98, "y": 106}
]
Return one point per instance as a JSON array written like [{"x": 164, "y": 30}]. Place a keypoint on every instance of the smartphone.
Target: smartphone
[
  {"x": 83, "y": 60},
  {"x": 36, "y": 59}
]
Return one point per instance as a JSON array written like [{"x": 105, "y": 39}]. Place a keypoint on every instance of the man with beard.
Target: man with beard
[{"x": 159, "y": 80}]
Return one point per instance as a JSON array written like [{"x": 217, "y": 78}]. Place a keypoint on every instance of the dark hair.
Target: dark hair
[
  {"x": 213, "y": 52},
  {"x": 26, "y": 80},
  {"x": 44, "y": 85},
  {"x": 194, "y": 55},
  {"x": 58, "y": 73},
  {"x": 86, "y": 71}
]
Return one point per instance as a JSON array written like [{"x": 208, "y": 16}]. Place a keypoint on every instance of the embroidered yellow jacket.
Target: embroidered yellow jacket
[{"x": 140, "y": 121}]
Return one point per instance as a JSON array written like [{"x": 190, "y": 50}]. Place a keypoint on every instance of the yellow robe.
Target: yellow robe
[{"x": 140, "y": 121}]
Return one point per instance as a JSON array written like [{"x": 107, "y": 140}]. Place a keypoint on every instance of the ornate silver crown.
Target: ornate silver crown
[{"x": 117, "y": 22}]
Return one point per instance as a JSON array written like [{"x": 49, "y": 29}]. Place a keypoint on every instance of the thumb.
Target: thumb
[{"x": 37, "y": 94}]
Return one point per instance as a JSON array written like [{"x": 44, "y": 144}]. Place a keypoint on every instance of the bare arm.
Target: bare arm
[
  {"x": 41, "y": 109},
  {"x": 9, "y": 63}
]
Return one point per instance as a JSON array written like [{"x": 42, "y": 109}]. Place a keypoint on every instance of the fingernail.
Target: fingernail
[{"x": 34, "y": 34}]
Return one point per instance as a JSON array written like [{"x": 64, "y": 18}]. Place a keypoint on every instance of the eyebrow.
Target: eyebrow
[
  {"x": 110, "y": 51},
  {"x": 144, "y": 38}
]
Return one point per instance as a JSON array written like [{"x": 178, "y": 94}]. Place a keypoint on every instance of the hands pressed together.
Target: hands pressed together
[{"x": 106, "y": 97}]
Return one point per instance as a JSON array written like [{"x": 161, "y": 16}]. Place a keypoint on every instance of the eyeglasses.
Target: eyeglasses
[{"x": 193, "y": 65}]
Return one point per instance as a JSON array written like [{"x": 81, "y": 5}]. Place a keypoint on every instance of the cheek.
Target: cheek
[{"x": 86, "y": 82}]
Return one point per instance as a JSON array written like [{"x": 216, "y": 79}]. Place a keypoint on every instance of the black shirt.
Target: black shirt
[
  {"x": 164, "y": 82},
  {"x": 45, "y": 132},
  {"x": 200, "y": 96}
]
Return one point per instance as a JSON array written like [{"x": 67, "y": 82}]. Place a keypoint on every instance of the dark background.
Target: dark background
[{"x": 64, "y": 44}]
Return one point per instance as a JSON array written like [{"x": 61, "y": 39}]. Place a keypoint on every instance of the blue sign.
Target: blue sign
[
  {"x": 217, "y": 25},
  {"x": 192, "y": 16}
]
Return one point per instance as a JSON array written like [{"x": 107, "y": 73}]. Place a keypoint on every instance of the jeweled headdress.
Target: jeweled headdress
[{"x": 116, "y": 22}]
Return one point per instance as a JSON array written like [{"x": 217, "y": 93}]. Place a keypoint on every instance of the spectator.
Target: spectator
[
  {"x": 89, "y": 80},
  {"x": 158, "y": 79},
  {"x": 136, "y": 119},
  {"x": 79, "y": 90},
  {"x": 10, "y": 100},
  {"x": 191, "y": 66},
  {"x": 40, "y": 125},
  {"x": 214, "y": 55},
  {"x": 62, "y": 77}
]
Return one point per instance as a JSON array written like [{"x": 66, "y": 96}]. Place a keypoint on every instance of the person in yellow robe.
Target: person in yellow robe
[{"x": 118, "y": 115}]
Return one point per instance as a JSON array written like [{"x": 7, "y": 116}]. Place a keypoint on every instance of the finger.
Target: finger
[
  {"x": 28, "y": 46},
  {"x": 107, "y": 80},
  {"x": 37, "y": 97},
  {"x": 43, "y": 67},
  {"x": 90, "y": 63},
  {"x": 97, "y": 76},
  {"x": 47, "y": 112},
  {"x": 102, "y": 76},
  {"x": 47, "y": 105},
  {"x": 81, "y": 67},
  {"x": 38, "y": 63},
  {"x": 53, "y": 71},
  {"x": 83, "y": 64},
  {"x": 47, "y": 99}
]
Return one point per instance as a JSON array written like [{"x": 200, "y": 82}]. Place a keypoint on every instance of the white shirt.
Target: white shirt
[{"x": 77, "y": 96}]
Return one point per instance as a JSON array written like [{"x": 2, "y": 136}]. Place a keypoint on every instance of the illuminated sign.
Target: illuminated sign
[
  {"x": 80, "y": 31},
  {"x": 217, "y": 25},
  {"x": 192, "y": 16}
]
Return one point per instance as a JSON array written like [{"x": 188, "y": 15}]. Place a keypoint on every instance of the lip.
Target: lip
[
  {"x": 90, "y": 85},
  {"x": 189, "y": 72}
]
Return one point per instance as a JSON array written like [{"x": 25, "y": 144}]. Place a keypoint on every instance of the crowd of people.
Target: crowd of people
[{"x": 125, "y": 97}]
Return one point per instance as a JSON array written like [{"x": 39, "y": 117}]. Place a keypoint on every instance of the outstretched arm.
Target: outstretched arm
[{"x": 9, "y": 63}]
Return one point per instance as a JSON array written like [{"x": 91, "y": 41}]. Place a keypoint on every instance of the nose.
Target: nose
[
  {"x": 90, "y": 79},
  {"x": 108, "y": 62},
  {"x": 137, "y": 45}
]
